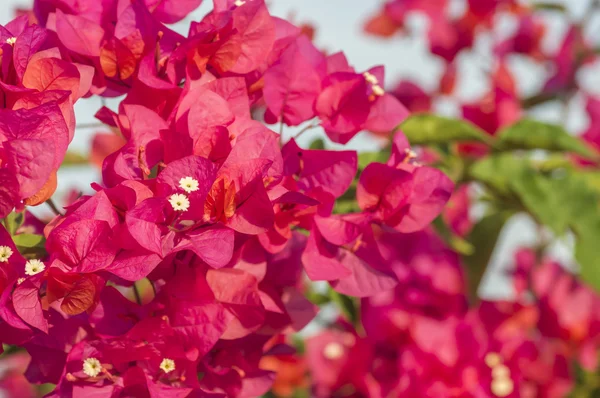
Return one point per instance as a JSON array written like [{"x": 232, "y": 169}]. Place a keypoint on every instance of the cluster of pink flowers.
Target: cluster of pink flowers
[
  {"x": 177, "y": 277},
  {"x": 422, "y": 340},
  {"x": 190, "y": 269},
  {"x": 449, "y": 35}
]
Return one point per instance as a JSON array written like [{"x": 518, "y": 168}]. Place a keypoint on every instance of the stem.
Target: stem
[
  {"x": 136, "y": 293},
  {"x": 281, "y": 132},
  {"x": 53, "y": 207},
  {"x": 90, "y": 125},
  {"x": 305, "y": 129}
]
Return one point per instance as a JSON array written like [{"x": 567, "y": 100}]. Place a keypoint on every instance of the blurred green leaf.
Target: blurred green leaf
[
  {"x": 74, "y": 158},
  {"x": 544, "y": 198},
  {"x": 547, "y": 6},
  {"x": 317, "y": 298},
  {"x": 454, "y": 241},
  {"x": 30, "y": 245},
  {"x": 563, "y": 199},
  {"x": 365, "y": 158},
  {"x": 483, "y": 238},
  {"x": 13, "y": 222},
  {"x": 530, "y": 134},
  {"x": 347, "y": 305},
  {"x": 498, "y": 170},
  {"x": 426, "y": 129},
  {"x": 319, "y": 143}
]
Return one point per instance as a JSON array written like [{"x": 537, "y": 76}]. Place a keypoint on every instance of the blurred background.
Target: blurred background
[{"x": 339, "y": 25}]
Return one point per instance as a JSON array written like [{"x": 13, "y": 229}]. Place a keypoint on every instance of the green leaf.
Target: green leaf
[
  {"x": 30, "y": 245},
  {"x": 74, "y": 159},
  {"x": 347, "y": 305},
  {"x": 483, "y": 238},
  {"x": 544, "y": 198},
  {"x": 497, "y": 171},
  {"x": 515, "y": 181},
  {"x": 530, "y": 134},
  {"x": 426, "y": 129},
  {"x": 564, "y": 199},
  {"x": 365, "y": 158},
  {"x": 547, "y": 6},
  {"x": 317, "y": 298},
  {"x": 319, "y": 143},
  {"x": 346, "y": 206},
  {"x": 13, "y": 222},
  {"x": 454, "y": 241}
]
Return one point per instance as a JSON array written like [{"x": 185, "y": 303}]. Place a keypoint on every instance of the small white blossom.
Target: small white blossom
[
  {"x": 500, "y": 371},
  {"x": 179, "y": 202},
  {"x": 92, "y": 367},
  {"x": 378, "y": 91},
  {"x": 11, "y": 41},
  {"x": 370, "y": 78},
  {"x": 239, "y": 3},
  {"x": 502, "y": 387},
  {"x": 5, "y": 253},
  {"x": 333, "y": 351},
  {"x": 20, "y": 280},
  {"x": 188, "y": 184},
  {"x": 34, "y": 266},
  {"x": 167, "y": 365},
  {"x": 492, "y": 359}
]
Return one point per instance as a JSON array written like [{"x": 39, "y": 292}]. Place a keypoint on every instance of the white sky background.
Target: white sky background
[{"x": 339, "y": 27}]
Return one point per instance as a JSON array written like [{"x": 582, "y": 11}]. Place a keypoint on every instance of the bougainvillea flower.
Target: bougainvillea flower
[
  {"x": 526, "y": 40},
  {"x": 401, "y": 194},
  {"x": 185, "y": 267},
  {"x": 498, "y": 108},
  {"x": 86, "y": 245},
  {"x": 34, "y": 143},
  {"x": 12, "y": 263},
  {"x": 456, "y": 214},
  {"x": 293, "y": 83},
  {"x": 244, "y": 35},
  {"x": 331, "y": 170},
  {"x": 447, "y": 38},
  {"x": 573, "y": 51},
  {"x": 392, "y": 16},
  {"x": 171, "y": 11},
  {"x": 567, "y": 308},
  {"x": 350, "y": 102}
]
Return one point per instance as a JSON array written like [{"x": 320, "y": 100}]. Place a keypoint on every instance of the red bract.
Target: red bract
[
  {"x": 351, "y": 102},
  {"x": 184, "y": 271},
  {"x": 401, "y": 194}
]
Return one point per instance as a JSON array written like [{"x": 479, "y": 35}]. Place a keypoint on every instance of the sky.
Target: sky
[{"x": 339, "y": 27}]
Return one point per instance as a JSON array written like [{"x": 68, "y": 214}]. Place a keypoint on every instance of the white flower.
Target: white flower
[
  {"x": 370, "y": 78},
  {"x": 5, "y": 253},
  {"x": 188, "y": 184},
  {"x": 11, "y": 41},
  {"x": 92, "y": 367},
  {"x": 333, "y": 351},
  {"x": 378, "y": 91},
  {"x": 179, "y": 202},
  {"x": 500, "y": 371},
  {"x": 33, "y": 267},
  {"x": 239, "y": 3},
  {"x": 502, "y": 387},
  {"x": 20, "y": 280},
  {"x": 167, "y": 365},
  {"x": 492, "y": 359}
]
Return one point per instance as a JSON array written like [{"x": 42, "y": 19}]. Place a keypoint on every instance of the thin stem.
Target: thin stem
[
  {"x": 53, "y": 207},
  {"x": 281, "y": 132},
  {"x": 90, "y": 125},
  {"x": 305, "y": 129},
  {"x": 136, "y": 293}
]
